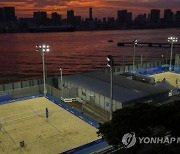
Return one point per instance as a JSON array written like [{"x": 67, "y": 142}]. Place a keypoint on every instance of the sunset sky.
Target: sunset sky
[{"x": 101, "y": 8}]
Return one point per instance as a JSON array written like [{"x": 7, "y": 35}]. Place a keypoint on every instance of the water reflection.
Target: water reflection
[{"x": 74, "y": 52}]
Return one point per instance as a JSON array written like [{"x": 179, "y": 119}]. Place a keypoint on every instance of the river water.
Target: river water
[{"x": 75, "y": 52}]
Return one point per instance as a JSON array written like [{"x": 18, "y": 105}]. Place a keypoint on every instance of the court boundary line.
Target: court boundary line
[{"x": 9, "y": 136}]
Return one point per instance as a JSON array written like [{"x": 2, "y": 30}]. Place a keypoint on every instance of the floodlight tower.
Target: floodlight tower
[
  {"x": 43, "y": 49},
  {"x": 135, "y": 42},
  {"x": 61, "y": 83},
  {"x": 171, "y": 40},
  {"x": 110, "y": 63}
]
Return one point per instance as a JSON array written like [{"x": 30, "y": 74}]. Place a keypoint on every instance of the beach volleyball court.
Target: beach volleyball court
[
  {"x": 25, "y": 128},
  {"x": 172, "y": 78}
]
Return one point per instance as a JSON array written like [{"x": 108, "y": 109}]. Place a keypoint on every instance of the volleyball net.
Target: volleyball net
[{"x": 23, "y": 116}]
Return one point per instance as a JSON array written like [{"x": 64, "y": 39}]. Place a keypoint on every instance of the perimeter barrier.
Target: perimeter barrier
[
  {"x": 177, "y": 69},
  {"x": 6, "y": 97},
  {"x": 153, "y": 70}
]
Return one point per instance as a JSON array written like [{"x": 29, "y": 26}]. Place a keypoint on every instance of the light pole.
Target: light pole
[
  {"x": 134, "y": 44},
  {"x": 43, "y": 49},
  {"x": 141, "y": 59},
  {"x": 123, "y": 63},
  {"x": 61, "y": 83},
  {"x": 110, "y": 63},
  {"x": 162, "y": 56},
  {"x": 166, "y": 58},
  {"x": 171, "y": 40}
]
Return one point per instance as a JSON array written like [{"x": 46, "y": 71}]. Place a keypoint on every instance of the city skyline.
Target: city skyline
[{"x": 101, "y": 8}]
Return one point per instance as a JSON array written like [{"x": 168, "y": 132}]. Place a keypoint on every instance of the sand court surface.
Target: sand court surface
[
  {"x": 62, "y": 131},
  {"x": 172, "y": 78}
]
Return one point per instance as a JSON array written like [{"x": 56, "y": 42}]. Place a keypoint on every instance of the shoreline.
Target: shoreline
[{"x": 148, "y": 28}]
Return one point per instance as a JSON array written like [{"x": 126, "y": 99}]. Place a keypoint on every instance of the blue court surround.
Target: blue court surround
[
  {"x": 19, "y": 99},
  {"x": 157, "y": 70},
  {"x": 88, "y": 148},
  {"x": 5, "y": 98},
  {"x": 152, "y": 70}
]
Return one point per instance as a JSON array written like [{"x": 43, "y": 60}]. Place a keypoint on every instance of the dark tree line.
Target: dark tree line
[{"x": 145, "y": 120}]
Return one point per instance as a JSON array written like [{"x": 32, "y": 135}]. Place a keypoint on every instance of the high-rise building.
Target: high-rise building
[
  {"x": 129, "y": 17},
  {"x": 168, "y": 15},
  {"x": 40, "y": 17},
  {"x": 90, "y": 14},
  {"x": 1, "y": 14},
  {"x": 111, "y": 22},
  {"x": 177, "y": 17},
  {"x": 55, "y": 18},
  {"x": 124, "y": 17},
  {"x": 155, "y": 16},
  {"x": 7, "y": 14},
  {"x": 104, "y": 20},
  {"x": 140, "y": 19},
  {"x": 77, "y": 21},
  {"x": 70, "y": 17}
]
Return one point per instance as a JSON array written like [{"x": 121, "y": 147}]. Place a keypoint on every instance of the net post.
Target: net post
[
  {"x": 47, "y": 113},
  {"x": 0, "y": 124}
]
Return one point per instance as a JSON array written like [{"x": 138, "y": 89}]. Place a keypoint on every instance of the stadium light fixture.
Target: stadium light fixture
[
  {"x": 110, "y": 61},
  {"x": 110, "y": 64},
  {"x": 135, "y": 42},
  {"x": 171, "y": 40},
  {"x": 43, "y": 49}
]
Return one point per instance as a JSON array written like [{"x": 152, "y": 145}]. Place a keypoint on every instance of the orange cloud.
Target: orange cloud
[{"x": 101, "y": 8}]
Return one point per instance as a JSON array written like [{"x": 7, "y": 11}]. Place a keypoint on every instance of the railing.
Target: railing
[{"x": 149, "y": 44}]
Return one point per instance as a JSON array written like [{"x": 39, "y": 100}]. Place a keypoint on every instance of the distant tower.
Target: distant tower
[
  {"x": 177, "y": 17},
  {"x": 70, "y": 17},
  {"x": 168, "y": 15},
  {"x": 122, "y": 16},
  {"x": 40, "y": 17},
  {"x": 155, "y": 16},
  {"x": 55, "y": 18},
  {"x": 90, "y": 14},
  {"x": 8, "y": 14},
  {"x": 1, "y": 14}
]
